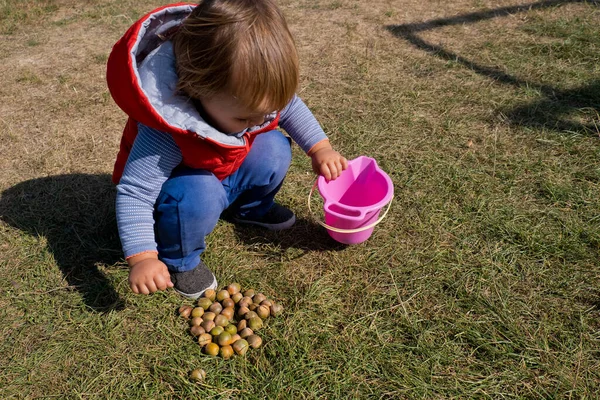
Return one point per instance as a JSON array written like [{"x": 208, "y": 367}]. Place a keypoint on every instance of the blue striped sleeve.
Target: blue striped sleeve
[
  {"x": 153, "y": 157},
  {"x": 301, "y": 124}
]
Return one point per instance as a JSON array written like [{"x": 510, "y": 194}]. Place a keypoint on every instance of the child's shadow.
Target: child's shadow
[
  {"x": 305, "y": 235},
  {"x": 75, "y": 213}
]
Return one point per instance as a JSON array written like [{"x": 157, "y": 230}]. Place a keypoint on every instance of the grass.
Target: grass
[{"x": 482, "y": 281}]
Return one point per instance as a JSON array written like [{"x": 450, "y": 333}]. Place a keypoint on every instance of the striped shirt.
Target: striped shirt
[{"x": 153, "y": 157}]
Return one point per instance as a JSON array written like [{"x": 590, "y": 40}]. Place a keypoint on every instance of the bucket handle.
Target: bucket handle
[{"x": 338, "y": 230}]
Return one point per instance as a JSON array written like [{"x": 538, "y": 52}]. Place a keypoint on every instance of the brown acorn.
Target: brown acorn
[
  {"x": 226, "y": 352},
  {"x": 249, "y": 293},
  {"x": 242, "y": 311},
  {"x": 233, "y": 288},
  {"x": 221, "y": 320},
  {"x": 196, "y": 321},
  {"x": 276, "y": 309},
  {"x": 208, "y": 325},
  {"x": 204, "y": 339},
  {"x": 254, "y": 341},
  {"x": 197, "y": 330},
  {"x": 228, "y": 312},
  {"x": 228, "y": 303},
  {"x": 263, "y": 312},
  {"x": 258, "y": 298},
  {"x": 240, "y": 346},
  {"x": 222, "y": 294},
  {"x": 244, "y": 333},
  {"x": 250, "y": 315},
  {"x": 267, "y": 303},
  {"x": 216, "y": 307},
  {"x": 244, "y": 302},
  {"x": 198, "y": 375},
  {"x": 242, "y": 325},
  {"x": 185, "y": 311}
]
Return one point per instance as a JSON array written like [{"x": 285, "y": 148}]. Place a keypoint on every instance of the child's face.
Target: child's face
[{"x": 228, "y": 115}]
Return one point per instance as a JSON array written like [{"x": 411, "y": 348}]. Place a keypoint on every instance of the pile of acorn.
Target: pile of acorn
[{"x": 225, "y": 322}]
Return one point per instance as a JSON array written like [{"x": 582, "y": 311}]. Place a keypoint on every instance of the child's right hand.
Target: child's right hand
[{"x": 147, "y": 274}]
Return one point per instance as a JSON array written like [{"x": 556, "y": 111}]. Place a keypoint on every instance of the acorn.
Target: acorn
[
  {"x": 276, "y": 309},
  {"x": 210, "y": 294},
  {"x": 255, "y": 323},
  {"x": 235, "y": 338},
  {"x": 198, "y": 375},
  {"x": 240, "y": 346},
  {"x": 205, "y": 303},
  {"x": 216, "y": 307},
  {"x": 228, "y": 303},
  {"x": 209, "y": 316},
  {"x": 267, "y": 303},
  {"x": 197, "y": 330},
  {"x": 244, "y": 333},
  {"x": 212, "y": 349},
  {"x": 216, "y": 331},
  {"x": 228, "y": 312},
  {"x": 232, "y": 329},
  {"x": 242, "y": 325},
  {"x": 249, "y": 293},
  {"x": 208, "y": 325},
  {"x": 224, "y": 338},
  {"x": 253, "y": 307},
  {"x": 196, "y": 321},
  {"x": 254, "y": 341},
  {"x": 197, "y": 312},
  {"x": 236, "y": 297},
  {"x": 222, "y": 294},
  {"x": 242, "y": 311},
  {"x": 263, "y": 312},
  {"x": 258, "y": 298},
  {"x": 185, "y": 311},
  {"x": 234, "y": 288},
  {"x": 250, "y": 315},
  {"x": 244, "y": 301},
  {"x": 226, "y": 352},
  {"x": 221, "y": 320},
  {"x": 204, "y": 339}
]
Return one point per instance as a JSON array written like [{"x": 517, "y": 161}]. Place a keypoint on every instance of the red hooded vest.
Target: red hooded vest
[{"x": 125, "y": 87}]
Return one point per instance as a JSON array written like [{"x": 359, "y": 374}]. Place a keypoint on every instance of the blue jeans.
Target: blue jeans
[{"x": 192, "y": 200}]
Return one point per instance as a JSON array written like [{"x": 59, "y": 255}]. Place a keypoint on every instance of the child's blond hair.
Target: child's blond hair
[{"x": 242, "y": 47}]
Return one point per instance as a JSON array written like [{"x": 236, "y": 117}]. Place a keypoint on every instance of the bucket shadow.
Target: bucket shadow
[{"x": 75, "y": 213}]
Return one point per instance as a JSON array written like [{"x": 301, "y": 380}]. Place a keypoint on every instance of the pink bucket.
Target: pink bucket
[{"x": 353, "y": 202}]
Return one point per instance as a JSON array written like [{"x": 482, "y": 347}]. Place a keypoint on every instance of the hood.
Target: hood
[{"x": 142, "y": 77}]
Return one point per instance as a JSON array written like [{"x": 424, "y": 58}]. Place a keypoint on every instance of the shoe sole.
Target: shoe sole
[
  {"x": 272, "y": 227},
  {"x": 194, "y": 296}
]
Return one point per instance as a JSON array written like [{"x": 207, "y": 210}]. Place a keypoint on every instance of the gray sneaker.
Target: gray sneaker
[
  {"x": 192, "y": 284},
  {"x": 276, "y": 219}
]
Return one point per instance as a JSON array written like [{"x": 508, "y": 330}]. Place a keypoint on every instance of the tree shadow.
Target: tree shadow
[
  {"x": 548, "y": 112},
  {"x": 75, "y": 213}
]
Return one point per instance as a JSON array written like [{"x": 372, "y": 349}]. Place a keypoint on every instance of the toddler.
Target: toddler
[{"x": 205, "y": 87}]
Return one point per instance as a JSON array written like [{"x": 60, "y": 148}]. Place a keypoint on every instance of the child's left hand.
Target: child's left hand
[{"x": 326, "y": 161}]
